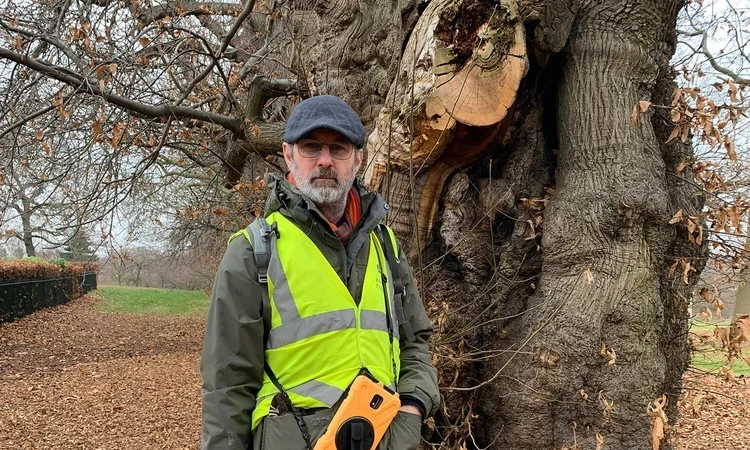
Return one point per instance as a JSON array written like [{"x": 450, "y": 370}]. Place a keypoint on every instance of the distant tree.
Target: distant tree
[{"x": 78, "y": 249}]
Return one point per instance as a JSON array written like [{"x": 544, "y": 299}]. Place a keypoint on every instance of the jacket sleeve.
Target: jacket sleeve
[
  {"x": 233, "y": 354},
  {"x": 418, "y": 377}
]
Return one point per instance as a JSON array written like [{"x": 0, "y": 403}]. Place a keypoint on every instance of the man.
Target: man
[{"x": 327, "y": 266}]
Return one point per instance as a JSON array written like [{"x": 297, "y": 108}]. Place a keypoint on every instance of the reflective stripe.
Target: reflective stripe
[
  {"x": 373, "y": 320},
  {"x": 291, "y": 332},
  {"x": 283, "y": 299},
  {"x": 322, "y": 392}
]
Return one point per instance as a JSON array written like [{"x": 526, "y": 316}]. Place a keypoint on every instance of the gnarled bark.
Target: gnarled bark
[{"x": 458, "y": 79}]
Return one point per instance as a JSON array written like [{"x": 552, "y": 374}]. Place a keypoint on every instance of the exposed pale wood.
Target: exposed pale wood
[
  {"x": 482, "y": 91},
  {"x": 441, "y": 91}
]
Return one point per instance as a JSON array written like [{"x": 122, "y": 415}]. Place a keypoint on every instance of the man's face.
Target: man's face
[{"x": 325, "y": 178}]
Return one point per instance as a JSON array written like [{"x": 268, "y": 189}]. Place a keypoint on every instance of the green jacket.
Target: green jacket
[{"x": 233, "y": 350}]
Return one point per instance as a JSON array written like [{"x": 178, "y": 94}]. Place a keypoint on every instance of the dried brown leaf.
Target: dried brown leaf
[
  {"x": 676, "y": 218},
  {"x": 675, "y": 132},
  {"x": 731, "y": 151},
  {"x": 659, "y": 420}
]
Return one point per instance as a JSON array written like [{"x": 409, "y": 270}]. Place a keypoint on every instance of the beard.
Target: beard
[{"x": 324, "y": 192}]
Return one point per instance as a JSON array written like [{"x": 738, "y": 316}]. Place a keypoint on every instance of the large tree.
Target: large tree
[{"x": 528, "y": 175}]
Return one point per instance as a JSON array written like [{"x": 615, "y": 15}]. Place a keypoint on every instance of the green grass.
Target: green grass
[
  {"x": 709, "y": 356},
  {"x": 133, "y": 300}
]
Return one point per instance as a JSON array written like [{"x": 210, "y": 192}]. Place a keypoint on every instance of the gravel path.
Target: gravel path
[{"x": 75, "y": 378}]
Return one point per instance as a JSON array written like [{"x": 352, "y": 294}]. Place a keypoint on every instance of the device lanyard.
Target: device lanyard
[{"x": 297, "y": 415}]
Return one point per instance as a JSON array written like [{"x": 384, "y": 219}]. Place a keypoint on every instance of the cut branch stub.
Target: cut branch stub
[{"x": 459, "y": 75}]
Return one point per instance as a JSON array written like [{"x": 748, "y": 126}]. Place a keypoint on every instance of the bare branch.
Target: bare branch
[
  {"x": 29, "y": 117},
  {"x": 81, "y": 84},
  {"x": 716, "y": 65},
  {"x": 230, "y": 35},
  {"x": 186, "y": 8},
  {"x": 50, "y": 39}
]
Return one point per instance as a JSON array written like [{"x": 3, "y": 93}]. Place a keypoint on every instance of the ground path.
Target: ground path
[{"x": 75, "y": 378}]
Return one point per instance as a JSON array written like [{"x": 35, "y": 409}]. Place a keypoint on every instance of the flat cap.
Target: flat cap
[{"x": 328, "y": 112}]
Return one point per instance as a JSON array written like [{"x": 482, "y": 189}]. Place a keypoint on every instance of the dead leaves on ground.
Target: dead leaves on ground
[
  {"x": 71, "y": 377},
  {"x": 713, "y": 414}
]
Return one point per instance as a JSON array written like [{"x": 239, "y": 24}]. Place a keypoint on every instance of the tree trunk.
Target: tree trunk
[
  {"x": 543, "y": 248},
  {"x": 28, "y": 240}
]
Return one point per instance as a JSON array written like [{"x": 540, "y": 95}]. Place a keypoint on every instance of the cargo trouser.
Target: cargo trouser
[{"x": 282, "y": 432}]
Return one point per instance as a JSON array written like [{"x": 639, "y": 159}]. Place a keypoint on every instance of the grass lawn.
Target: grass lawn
[
  {"x": 709, "y": 356},
  {"x": 135, "y": 300}
]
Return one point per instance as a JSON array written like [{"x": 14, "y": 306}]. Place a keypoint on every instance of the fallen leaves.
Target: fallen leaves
[
  {"x": 713, "y": 414},
  {"x": 71, "y": 377}
]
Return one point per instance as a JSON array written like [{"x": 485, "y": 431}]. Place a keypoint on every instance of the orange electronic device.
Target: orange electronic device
[{"x": 363, "y": 416}]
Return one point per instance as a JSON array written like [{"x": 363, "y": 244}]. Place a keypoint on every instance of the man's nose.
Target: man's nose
[{"x": 325, "y": 159}]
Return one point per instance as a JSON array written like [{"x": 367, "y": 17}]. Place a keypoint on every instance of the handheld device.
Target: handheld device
[{"x": 362, "y": 418}]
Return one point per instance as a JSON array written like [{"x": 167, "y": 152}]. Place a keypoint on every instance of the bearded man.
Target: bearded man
[{"x": 282, "y": 345}]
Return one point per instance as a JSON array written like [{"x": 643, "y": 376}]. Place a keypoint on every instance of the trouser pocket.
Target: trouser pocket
[{"x": 283, "y": 433}]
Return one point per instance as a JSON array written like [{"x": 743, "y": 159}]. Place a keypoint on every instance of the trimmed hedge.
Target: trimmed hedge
[{"x": 32, "y": 284}]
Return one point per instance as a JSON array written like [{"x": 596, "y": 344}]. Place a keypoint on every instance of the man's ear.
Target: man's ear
[
  {"x": 358, "y": 155},
  {"x": 287, "y": 148}
]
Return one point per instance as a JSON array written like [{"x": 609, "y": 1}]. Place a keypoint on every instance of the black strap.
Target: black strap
[
  {"x": 398, "y": 286},
  {"x": 297, "y": 415},
  {"x": 388, "y": 320},
  {"x": 358, "y": 436}
]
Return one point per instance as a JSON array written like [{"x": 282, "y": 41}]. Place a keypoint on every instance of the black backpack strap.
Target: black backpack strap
[
  {"x": 260, "y": 233},
  {"x": 385, "y": 235}
]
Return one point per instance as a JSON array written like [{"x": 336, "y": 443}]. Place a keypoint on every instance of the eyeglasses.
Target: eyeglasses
[{"x": 309, "y": 148}]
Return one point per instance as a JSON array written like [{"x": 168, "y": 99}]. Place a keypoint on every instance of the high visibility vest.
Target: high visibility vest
[{"x": 320, "y": 338}]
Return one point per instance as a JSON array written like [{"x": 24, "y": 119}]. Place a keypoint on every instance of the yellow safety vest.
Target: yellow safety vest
[{"x": 320, "y": 338}]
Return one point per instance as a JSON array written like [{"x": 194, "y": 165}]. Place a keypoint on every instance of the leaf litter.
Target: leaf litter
[
  {"x": 72, "y": 377},
  {"x": 75, "y": 378}
]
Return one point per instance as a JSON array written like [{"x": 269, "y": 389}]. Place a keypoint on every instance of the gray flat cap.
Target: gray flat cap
[{"x": 328, "y": 112}]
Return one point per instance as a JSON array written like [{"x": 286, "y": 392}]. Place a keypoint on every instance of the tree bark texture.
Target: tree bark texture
[{"x": 543, "y": 245}]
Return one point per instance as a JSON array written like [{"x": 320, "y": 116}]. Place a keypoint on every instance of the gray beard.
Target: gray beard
[
  {"x": 330, "y": 200},
  {"x": 323, "y": 195}
]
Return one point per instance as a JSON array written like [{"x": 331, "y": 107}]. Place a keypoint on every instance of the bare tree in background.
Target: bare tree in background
[{"x": 527, "y": 150}]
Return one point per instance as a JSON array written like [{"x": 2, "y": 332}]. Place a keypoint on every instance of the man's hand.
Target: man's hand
[{"x": 411, "y": 409}]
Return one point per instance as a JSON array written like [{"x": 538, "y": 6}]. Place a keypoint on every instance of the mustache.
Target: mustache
[{"x": 324, "y": 172}]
